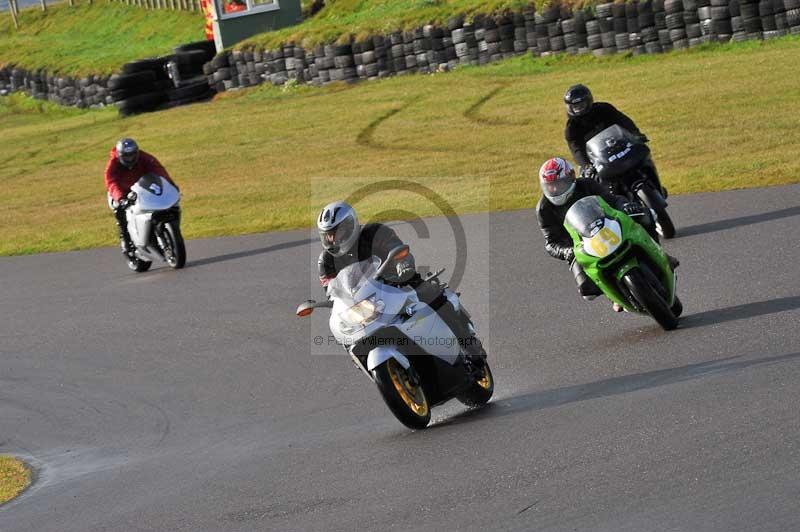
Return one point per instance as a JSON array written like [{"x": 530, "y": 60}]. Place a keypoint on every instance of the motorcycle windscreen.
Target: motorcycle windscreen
[
  {"x": 351, "y": 279},
  {"x": 154, "y": 193},
  {"x": 616, "y": 148},
  {"x": 586, "y": 216}
]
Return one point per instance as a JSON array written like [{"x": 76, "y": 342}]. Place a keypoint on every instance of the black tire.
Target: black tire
[
  {"x": 650, "y": 299},
  {"x": 390, "y": 378},
  {"x": 139, "y": 265},
  {"x": 142, "y": 102},
  {"x": 174, "y": 246},
  {"x": 206, "y": 46},
  {"x": 677, "y": 307},
  {"x": 481, "y": 390},
  {"x": 124, "y": 81},
  {"x": 664, "y": 225},
  {"x": 196, "y": 89},
  {"x": 143, "y": 65}
]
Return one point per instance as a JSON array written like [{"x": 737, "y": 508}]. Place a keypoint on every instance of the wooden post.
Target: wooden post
[{"x": 13, "y": 13}]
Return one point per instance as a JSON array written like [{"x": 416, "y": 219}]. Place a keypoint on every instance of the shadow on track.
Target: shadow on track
[
  {"x": 721, "y": 225},
  {"x": 740, "y": 312},
  {"x": 249, "y": 253},
  {"x": 609, "y": 387}
]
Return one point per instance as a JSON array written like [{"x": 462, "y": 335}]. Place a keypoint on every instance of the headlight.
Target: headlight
[{"x": 360, "y": 315}]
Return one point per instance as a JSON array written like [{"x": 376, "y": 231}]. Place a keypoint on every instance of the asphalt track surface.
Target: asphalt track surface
[{"x": 191, "y": 400}]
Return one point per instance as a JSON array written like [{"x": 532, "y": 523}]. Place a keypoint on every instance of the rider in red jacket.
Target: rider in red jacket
[{"x": 126, "y": 164}]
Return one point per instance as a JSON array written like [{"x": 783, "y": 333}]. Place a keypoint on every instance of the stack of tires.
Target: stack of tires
[
  {"x": 648, "y": 33},
  {"x": 750, "y": 20},
  {"x": 660, "y": 16},
  {"x": 792, "y": 15},
  {"x": 676, "y": 23},
  {"x": 770, "y": 11},
  {"x": 142, "y": 86},
  {"x": 574, "y": 28},
  {"x": 162, "y": 82},
  {"x": 465, "y": 45},
  {"x": 715, "y": 21},
  {"x": 190, "y": 84},
  {"x": 691, "y": 17}
]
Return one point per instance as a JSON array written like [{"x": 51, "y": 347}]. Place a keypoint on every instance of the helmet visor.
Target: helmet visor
[
  {"x": 332, "y": 239},
  {"x": 129, "y": 158},
  {"x": 579, "y": 108},
  {"x": 556, "y": 188}
]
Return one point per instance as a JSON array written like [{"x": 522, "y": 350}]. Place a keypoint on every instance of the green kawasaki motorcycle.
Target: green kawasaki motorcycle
[{"x": 623, "y": 260}]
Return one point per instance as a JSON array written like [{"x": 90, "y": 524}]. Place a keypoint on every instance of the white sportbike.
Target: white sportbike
[
  {"x": 153, "y": 216},
  {"x": 401, "y": 343}
]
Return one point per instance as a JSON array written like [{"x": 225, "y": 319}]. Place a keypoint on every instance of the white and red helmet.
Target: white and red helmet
[{"x": 557, "y": 180}]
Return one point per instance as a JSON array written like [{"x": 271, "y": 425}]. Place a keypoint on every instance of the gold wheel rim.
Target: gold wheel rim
[
  {"x": 485, "y": 381},
  {"x": 412, "y": 395}
]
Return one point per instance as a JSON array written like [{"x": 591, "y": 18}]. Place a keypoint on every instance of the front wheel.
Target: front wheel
[
  {"x": 481, "y": 389},
  {"x": 174, "y": 246},
  {"x": 402, "y": 391},
  {"x": 650, "y": 299}
]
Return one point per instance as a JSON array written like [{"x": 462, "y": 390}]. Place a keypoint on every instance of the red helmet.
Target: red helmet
[{"x": 557, "y": 180}]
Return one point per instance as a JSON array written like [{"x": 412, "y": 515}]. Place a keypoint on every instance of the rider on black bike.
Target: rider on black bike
[{"x": 586, "y": 118}]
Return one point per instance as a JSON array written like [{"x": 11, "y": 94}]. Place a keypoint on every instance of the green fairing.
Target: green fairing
[{"x": 617, "y": 264}]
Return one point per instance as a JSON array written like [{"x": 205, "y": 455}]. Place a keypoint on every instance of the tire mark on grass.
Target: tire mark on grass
[
  {"x": 473, "y": 113},
  {"x": 366, "y": 136}
]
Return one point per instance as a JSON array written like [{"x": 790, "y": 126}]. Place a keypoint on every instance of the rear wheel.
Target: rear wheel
[
  {"x": 174, "y": 246},
  {"x": 650, "y": 299},
  {"x": 664, "y": 224},
  {"x": 481, "y": 390},
  {"x": 402, "y": 391}
]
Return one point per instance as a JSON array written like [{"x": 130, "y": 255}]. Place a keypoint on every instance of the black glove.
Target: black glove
[
  {"x": 643, "y": 138},
  {"x": 569, "y": 255},
  {"x": 405, "y": 271},
  {"x": 633, "y": 208},
  {"x": 589, "y": 171}
]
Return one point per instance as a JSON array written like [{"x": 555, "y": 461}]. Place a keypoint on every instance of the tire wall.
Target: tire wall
[
  {"x": 91, "y": 91},
  {"x": 652, "y": 26}
]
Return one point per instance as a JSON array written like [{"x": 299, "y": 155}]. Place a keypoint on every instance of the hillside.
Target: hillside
[
  {"x": 93, "y": 39},
  {"x": 719, "y": 118}
]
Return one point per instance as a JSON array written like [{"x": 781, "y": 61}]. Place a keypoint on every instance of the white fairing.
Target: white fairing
[
  {"x": 153, "y": 194},
  {"x": 605, "y": 241},
  {"x": 362, "y": 305}
]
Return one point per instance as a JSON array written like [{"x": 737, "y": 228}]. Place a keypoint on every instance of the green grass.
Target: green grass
[
  {"x": 719, "y": 118},
  {"x": 93, "y": 39},
  {"x": 14, "y": 477},
  {"x": 343, "y": 19}
]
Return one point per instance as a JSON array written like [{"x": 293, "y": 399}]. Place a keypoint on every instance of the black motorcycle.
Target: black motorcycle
[{"x": 621, "y": 160}]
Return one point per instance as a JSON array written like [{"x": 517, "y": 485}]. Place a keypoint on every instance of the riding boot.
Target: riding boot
[
  {"x": 586, "y": 287},
  {"x": 124, "y": 237}
]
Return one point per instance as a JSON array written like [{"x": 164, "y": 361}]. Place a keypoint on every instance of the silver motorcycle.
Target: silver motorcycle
[
  {"x": 401, "y": 343},
  {"x": 153, "y": 216}
]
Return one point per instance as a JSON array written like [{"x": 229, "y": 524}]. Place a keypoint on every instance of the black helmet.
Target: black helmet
[
  {"x": 127, "y": 152},
  {"x": 578, "y": 100}
]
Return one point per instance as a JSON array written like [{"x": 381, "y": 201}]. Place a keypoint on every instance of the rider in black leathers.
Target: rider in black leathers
[
  {"x": 586, "y": 118},
  {"x": 346, "y": 242},
  {"x": 560, "y": 191}
]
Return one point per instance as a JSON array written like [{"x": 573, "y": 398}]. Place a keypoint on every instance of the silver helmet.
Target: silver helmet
[
  {"x": 127, "y": 152},
  {"x": 338, "y": 228}
]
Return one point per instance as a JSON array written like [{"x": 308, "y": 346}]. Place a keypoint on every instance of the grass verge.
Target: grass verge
[
  {"x": 93, "y": 39},
  {"x": 721, "y": 117},
  {"x": 15, "y": 476}
]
